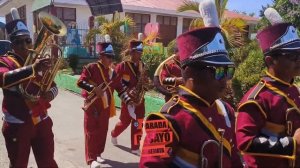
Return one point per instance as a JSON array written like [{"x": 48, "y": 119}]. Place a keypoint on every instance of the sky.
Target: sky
[{"x": 248, "y": 6}]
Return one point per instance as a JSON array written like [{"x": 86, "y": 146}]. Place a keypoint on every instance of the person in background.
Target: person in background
[
  {"x": 168, "y": 75},
  {"x": 196, "y": 115},
  {"x": 268, "y": 120},
  {"x": 96, "y": 80},
  {"x": 26, "y": 124}
]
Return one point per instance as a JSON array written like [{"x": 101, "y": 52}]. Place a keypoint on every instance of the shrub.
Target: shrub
[{"x": 249, "y": 71}]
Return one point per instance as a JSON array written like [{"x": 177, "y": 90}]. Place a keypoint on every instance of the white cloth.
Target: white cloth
[{"x": 131, "y": 110}]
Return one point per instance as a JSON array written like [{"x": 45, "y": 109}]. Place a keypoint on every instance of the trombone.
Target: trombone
[{"x": 93, "y": 97}]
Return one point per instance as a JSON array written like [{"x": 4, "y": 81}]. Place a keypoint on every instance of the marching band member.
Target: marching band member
[
  {"x": 132, "y": 74},
  {"x": 96, "y": 82},
  {"x": 196, "y": 115},
  {"x": 168, "y": 76},
  {"x": 25, "y": 124},
  {"x": 268, "y": 118}
]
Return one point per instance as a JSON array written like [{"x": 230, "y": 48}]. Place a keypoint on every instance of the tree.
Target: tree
[
  {"x": 290, "y": 11},
  {"x": 232, "y": 28},
  {"x": 250, "y": 68},
  {"x": 112, "y": 28}
]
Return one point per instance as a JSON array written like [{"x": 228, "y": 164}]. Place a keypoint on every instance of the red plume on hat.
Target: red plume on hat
[
  {"x": 280, "y": 36},
  {"x": 205, "y": 45}
]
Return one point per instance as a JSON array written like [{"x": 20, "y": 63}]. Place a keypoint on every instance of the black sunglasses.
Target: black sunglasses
[{"x": 21, "y": 41}]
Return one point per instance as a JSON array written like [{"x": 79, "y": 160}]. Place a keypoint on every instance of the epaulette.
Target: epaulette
[
  {"x": 170, "y": 104},
  {"x": 256, "y": 90},
  {"x": 252, "y": 96},
  {"x": 91, "y": 64}
]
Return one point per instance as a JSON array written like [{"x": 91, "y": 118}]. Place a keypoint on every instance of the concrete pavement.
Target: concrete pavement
[{"x": 67, "y": 117}]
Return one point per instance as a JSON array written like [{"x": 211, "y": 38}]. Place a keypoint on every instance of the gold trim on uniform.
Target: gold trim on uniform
[
  {"x": 277, "y": 79},
  {"x": 203, "y": 119},
  {"x": 194, "y": 94}
]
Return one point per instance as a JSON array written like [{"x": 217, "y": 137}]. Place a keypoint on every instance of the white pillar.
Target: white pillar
[
  {"x": 122, "y": 16},
  {"x": 153, "y": 18},
  {"x": 179, "y": 25},
  {"x": 29, "y": 18}
]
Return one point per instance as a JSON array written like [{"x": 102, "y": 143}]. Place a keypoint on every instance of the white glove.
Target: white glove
[{"x": 131, "y": 110}]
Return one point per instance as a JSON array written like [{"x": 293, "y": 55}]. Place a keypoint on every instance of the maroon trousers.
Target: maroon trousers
[
  {"x": 125, "y": 121},
  {"x": 19, "y": 138},
  {"x": 95, "y": 130}
]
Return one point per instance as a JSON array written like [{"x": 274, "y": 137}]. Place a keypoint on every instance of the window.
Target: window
[
  {"x": 140, "y": 21},
  {"x": 167, "y": 28},
  {"x": 186, "y": 24},
  {"x": 22, "y": 13},
  {"x": 166, "y": 20},
  {"x": 67, "y": 15}
]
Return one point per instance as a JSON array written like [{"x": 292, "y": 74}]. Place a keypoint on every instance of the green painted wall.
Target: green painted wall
[{"x": 65, "y": 81}]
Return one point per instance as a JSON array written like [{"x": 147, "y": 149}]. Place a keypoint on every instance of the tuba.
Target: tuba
[{"x": 43, "y": 48}]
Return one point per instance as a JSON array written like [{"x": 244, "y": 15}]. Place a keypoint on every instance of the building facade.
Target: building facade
[{"x": 75, "y": 14}]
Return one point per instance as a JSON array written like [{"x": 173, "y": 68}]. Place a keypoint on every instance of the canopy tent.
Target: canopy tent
[{"x": 103, "y": 7}]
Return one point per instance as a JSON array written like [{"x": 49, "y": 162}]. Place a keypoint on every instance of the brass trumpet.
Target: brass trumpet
[
  {"x": 204, "y": 161},
  {"x": 51, "y": 26},
  {"x": 93, "y": 97}
]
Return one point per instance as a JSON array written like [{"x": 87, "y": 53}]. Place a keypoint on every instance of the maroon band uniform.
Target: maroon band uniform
[
  {"x": 96, "y": 116},
  {"x": 129, "y": 73},
  {"x": 192, "y": 120},
  {"x": 167, "y": 76},
  {"x": 26, "y": 124},
  {"x": 268, "y": 114}
]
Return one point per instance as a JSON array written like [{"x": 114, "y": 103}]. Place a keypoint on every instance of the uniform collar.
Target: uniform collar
[
  {"x": 185, "y": 92},
  {"x": 19, "y": 58},
  {"x": 277, "y": 80},
  {"x": 101, "y": 64}
]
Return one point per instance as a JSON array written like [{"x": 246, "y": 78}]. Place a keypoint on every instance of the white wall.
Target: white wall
[
  {"x": 179, "y": 25},
  {"x": 29, "y": 17}
]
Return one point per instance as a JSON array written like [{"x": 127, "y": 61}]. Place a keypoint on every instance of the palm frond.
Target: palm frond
[
  {"x": 188, "y": 5},
  {"x": 234, "y": 30},
  {"x": 128, "y": 21},
  {"x": 101, "y": 20},
  {"x": 222, "y": 8},
  {"x": 92, "y": 34},
  {"x": 150, "y": 38},
  {"x": 238, "y": 23},
  {"x": 196, "y": 23}
]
